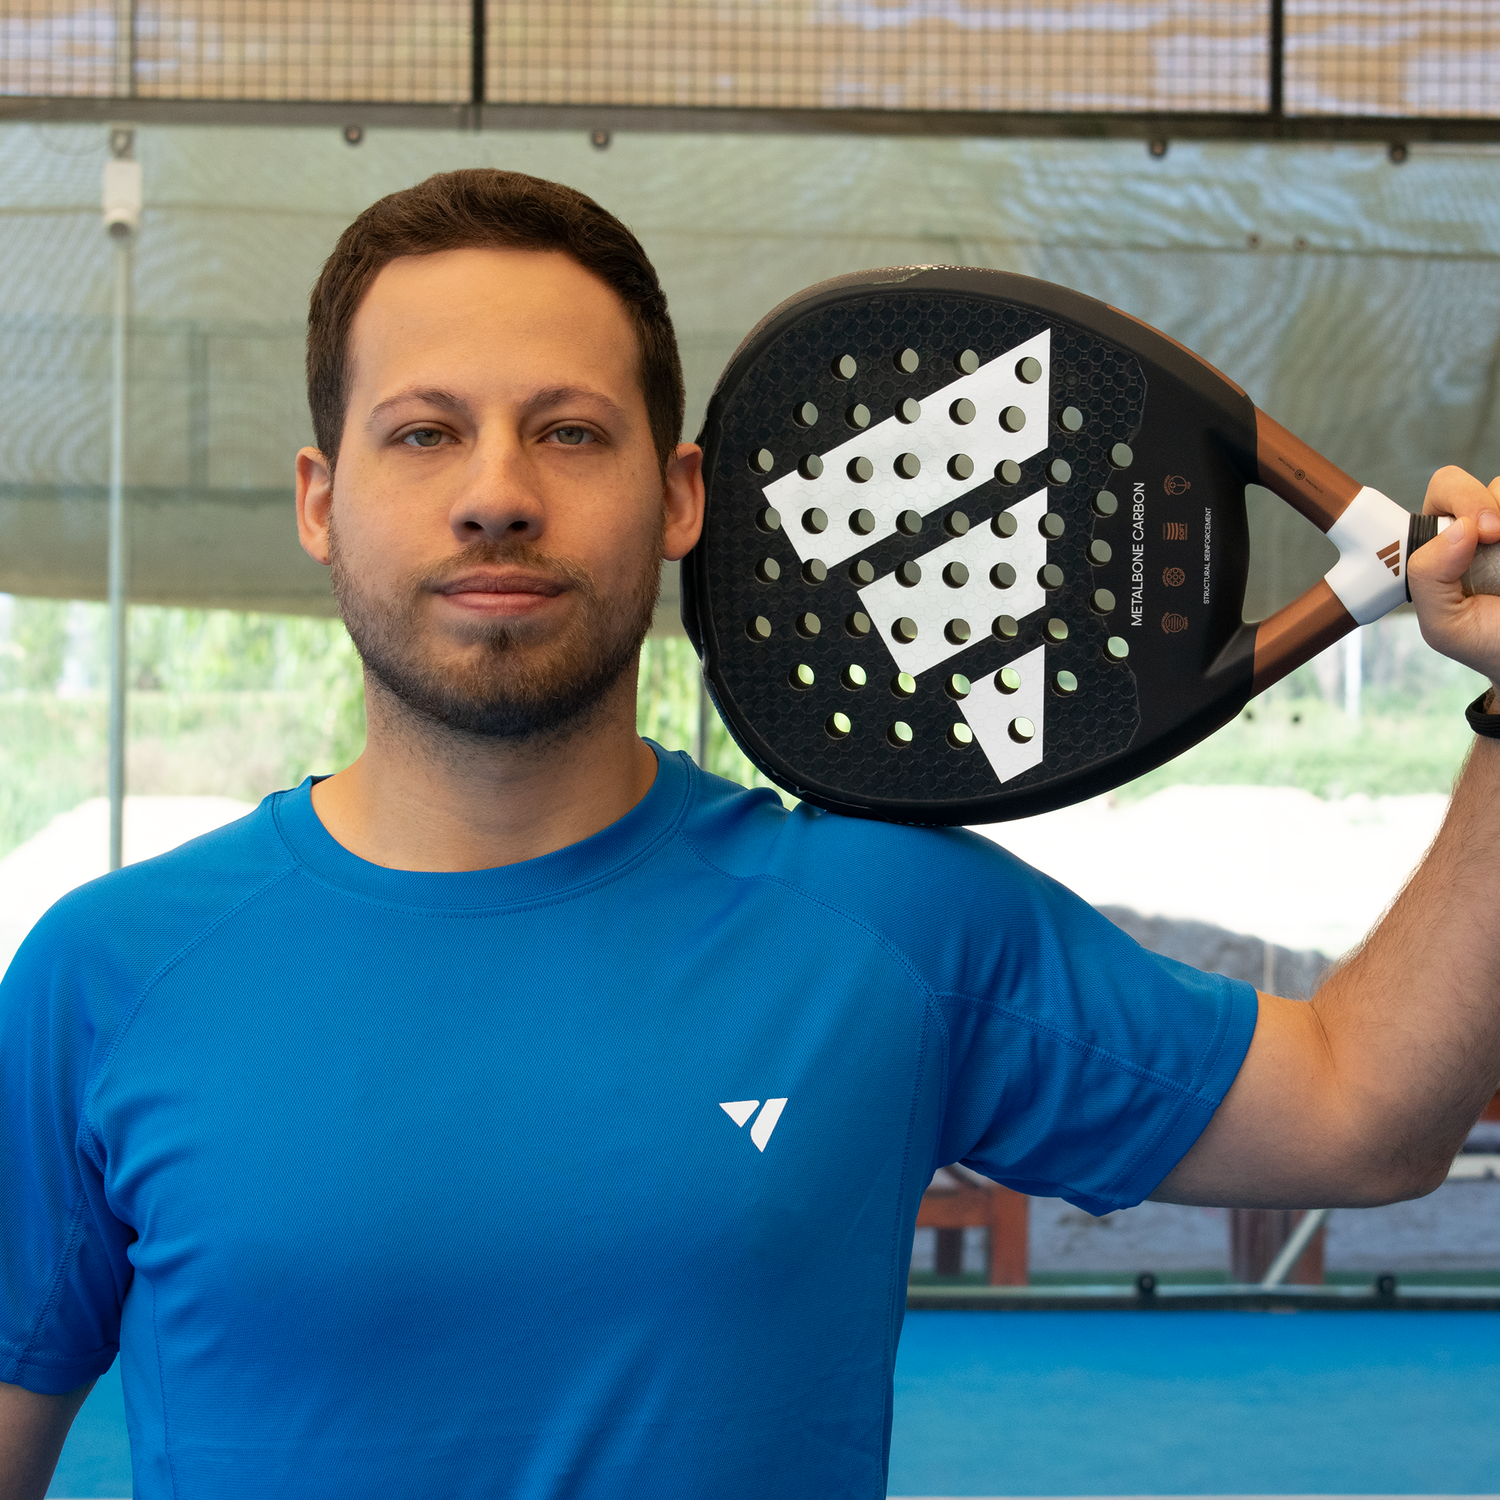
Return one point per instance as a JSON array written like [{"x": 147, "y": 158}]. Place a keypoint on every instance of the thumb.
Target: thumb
[{"x": 1445, "y": 559}]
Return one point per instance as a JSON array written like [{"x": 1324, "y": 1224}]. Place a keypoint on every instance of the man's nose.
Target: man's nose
[{"x": 501, "y": 497}]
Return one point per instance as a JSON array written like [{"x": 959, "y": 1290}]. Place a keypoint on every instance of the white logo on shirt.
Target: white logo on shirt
[{"x": 741, "y": 1109}]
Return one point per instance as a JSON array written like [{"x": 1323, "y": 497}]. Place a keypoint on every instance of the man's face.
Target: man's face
[{"x": 498, "y": 516}]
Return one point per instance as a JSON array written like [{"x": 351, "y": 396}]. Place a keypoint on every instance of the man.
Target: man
[{"x": 521, "y": 1111}]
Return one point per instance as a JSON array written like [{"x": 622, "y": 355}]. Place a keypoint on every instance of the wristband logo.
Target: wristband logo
[{"x": 740, "y": 1110}]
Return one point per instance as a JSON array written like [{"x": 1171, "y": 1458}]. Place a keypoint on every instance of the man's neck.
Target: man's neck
[{"x": 423, "y": 798}]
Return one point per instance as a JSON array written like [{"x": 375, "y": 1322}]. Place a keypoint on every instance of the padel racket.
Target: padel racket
[{"x": 975, "y": 546}]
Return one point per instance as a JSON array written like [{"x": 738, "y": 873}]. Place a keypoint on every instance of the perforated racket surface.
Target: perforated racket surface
[{"x": 976, "y": 547}]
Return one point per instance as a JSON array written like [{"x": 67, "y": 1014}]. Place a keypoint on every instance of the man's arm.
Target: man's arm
[
  {"x": 32, "y": 1429},
  {"x": 1364, "y": 1094}
]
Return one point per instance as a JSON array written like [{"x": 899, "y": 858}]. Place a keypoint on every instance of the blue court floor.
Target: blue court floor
[{"x": 1135, "y": 1404}]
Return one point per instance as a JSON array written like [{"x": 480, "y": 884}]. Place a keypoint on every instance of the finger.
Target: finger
[
  {"x": 1436, "y": 568},
  {"x": 1455, "y": 492}
]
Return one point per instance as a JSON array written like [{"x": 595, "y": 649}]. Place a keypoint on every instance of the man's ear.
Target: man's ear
[
  {"x": 683, "y": 501},
  {"x": 314, "y": 503}
]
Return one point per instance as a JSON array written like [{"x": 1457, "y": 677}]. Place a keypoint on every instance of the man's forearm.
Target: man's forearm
[
  {"x": 32, "y": 1431},
  {"x": 1412, "y": 1020}
]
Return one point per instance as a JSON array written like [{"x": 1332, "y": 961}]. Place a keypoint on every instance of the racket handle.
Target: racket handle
[{"x": 1483, "y": 576}]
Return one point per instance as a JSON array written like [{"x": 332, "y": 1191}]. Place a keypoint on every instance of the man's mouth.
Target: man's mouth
[{"x": 501, "y": 591}]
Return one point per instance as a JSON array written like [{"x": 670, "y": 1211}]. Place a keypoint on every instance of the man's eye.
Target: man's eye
[
  {"x": 573, "y": 436},
  {"x": 424, "y": 437}
]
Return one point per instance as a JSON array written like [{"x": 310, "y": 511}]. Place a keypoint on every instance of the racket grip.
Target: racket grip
[{"x": 1483, "y": 576}]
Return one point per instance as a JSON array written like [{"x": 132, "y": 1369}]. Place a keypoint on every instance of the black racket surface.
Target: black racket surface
[{"x": 975, "y": 546}]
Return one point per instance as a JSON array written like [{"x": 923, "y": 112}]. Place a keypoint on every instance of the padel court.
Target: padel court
[{"x": 1148, "y": 1403}]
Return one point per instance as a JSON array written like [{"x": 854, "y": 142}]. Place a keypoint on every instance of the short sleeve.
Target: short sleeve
[
  {"x": 64, "y": 1269},
  {"x": 1085, "y": 1067}
]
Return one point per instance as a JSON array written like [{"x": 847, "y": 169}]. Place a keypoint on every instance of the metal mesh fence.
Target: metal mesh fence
[
  {"x": 1340, "y": 57},
  {"x": 1393, "y": 57},
  {"x": 1063, "y": 55},
  {"x": 390, "y": 51}
]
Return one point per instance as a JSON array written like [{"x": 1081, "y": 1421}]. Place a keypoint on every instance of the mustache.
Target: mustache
[{"x": 484, "y": 553}]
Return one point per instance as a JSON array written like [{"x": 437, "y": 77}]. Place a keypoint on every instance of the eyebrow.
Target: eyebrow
[{"x": 446, "y": 400}]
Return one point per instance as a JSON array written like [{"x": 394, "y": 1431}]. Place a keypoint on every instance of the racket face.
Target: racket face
[{"x": 975, "y": 547}]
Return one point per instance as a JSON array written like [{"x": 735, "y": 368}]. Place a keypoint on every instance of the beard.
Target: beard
[{"x": 500, "y": 685}]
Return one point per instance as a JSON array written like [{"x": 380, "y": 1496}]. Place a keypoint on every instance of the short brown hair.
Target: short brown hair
[{"x": 483, "y": 208}]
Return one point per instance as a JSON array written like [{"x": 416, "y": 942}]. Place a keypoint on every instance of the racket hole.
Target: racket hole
[
  {"x": 838, "y": 726},
  {"x": 810, "y": 466},
  {"x": 853, "y": 676},
  {"x": 908, "y": 575},
  {"x": 957, "y": 632},
  {"x": 769, "y": 519},
  {"x": 858, "y": 624},
  {"x": 1050, "y": 576},
  {"x": 758, "y": 628},
  {"x": 903, "y": 684},
  {"x": 960, "y": 466},
  {"x": 958, "y": 687},
  {"x": 1120, "y": 456},
  {"x": 1008, "y": 471},
  {"x": 1059, "y": 471},
  {"x": 1070, "y": 419},
  {"x": 963, "y": 411},
  {"x": 909, "y": 523},
  {"x": 862, "y": 522},
  {"x": 960, "y": 736},
  {"x": 1004, "y": 524},
  {"x": 898, "y": 735},
  {"x": 845, "y": 368},
  {"x": 1005, "y": 628},
  {"x": 908, "y": 466},
  {"x": 1064, "y": 684},
  {"x": 956, "y": 524},
  {"x": 1012, "y": 419},
  {"x": 1029, "y": 371},
  {"x": 815, "y": 570},
  {"x": 907, "y": 361},
  {"x": 1101, "y": 601},
  {"x": 955, "y": 575},
  {"x": 1002, "y": 575},
  {"x": 801, "y": 677},
  {"x": 815, "y": 521},
  {"x": 861, "y": 471},
  {"x": 905, "y": 630},
  {"x": 1116, "y": 648},
  {"x": 1100, "y": 553},
  {"x": 967, "y": 362},
  {"x": 762, "y": 461},
  {"x": 862, "y": 573},
  {"x": 768, "y": 570},
  {"x": 1022, "y": 731},
  {"x": 805, "y": 414},
  {"x": 858, "y": 416},
  {"x": 909, "y": 411},
  {"x": 1007, "y": 681},
  {"x": 1104, "y": 504},
  {"x": 808, "y": 625},
  {"x": 1056, "y": 630},
  {"x": 1051, "y": 526}
]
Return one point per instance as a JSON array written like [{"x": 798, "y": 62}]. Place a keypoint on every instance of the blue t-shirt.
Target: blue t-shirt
[{"x": 591, "y": 1176}]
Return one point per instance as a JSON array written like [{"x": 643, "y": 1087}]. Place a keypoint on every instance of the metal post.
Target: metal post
[
  {"x": 1277, "y": 71},
  {"x": 1354, "y": 672},
  {"x": 477, "y": 62},
  {"x": 705, "y": 720},
  {"x": 1291, "y": 1252},
  {"x": 122, "y": 218},
  {"x": 124, "y": 80}
]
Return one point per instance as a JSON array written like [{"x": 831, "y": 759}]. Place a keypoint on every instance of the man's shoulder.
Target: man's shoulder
[
  {"x": 136, "y": 917},
  {"x": 901, "y": 878}
]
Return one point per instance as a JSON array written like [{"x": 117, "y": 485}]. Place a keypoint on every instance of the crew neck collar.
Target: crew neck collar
[{"x": 600, "y": 857}]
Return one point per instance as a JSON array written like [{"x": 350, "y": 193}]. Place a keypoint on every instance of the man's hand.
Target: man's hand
[
  {"x": 1364, "y": 1094},
  {"x": 1467, "y": 629},
  {"x": 32, "y": 1429}
]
